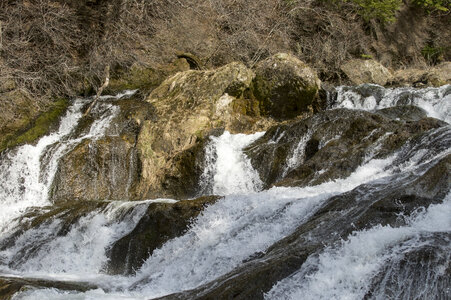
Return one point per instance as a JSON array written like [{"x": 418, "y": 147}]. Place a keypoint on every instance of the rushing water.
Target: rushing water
[{"x": 248, "y": 220}]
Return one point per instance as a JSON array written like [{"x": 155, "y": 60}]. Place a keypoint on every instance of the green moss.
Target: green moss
[
  {"x": 136, "y": 78},
  {"x": 38, "y": 127}
]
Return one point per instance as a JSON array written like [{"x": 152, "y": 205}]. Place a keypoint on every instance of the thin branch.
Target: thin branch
[{"x": 99, "y": 91}]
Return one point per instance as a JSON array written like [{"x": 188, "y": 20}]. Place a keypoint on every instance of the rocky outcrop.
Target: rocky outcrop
[
  {"x": 286, "y": 86},
  {"x": 104, "y": 168},
  {"x": 434, "y": 76},
  {"x": 188, "y": 106},
  {"x": 144, "y": 77},
  {"x": 360, "y": 71},
  {"x": 333, "y": 143},
  {"x": 160, "y": 223}
]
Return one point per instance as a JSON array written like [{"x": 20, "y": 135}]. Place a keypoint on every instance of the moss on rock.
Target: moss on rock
[
  {"x": 37, "y": 127},
  {"x": 285, "y": 86}
]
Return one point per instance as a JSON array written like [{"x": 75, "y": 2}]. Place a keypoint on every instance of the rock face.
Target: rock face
[
  {"x": 100, "y": 169},
  {"x": 160, "y": 223},
  {"x": 106, "y": 167},
  {"x": 286, "y": 86},
  {"x": 333, "y": 143},
  {"x": 361, "y": 71},
  {"x": 188, "y": 105}
]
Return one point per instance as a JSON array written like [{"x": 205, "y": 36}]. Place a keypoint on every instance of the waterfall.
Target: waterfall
[
  {"x": 435, "y": 101},
  {"x": 346, "y": 272},
  {"x": 228, "y": 170},
  {"x": 246, "y": 228}
]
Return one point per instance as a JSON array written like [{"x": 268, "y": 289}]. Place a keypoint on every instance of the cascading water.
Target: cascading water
[{"x": 243, "y": 229}]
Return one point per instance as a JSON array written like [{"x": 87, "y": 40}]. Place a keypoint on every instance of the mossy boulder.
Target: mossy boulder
[
  {"x": 160, "y": 223},
  {"x": 188, "y": 106},
  {"x": 144, "y": 77},
  {"x": 360, "y": 71},
  {"x": 23, "y": 121},
  {"x": 285, "y": 86}
]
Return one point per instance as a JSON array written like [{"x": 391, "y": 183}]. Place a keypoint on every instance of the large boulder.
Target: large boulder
[
  {"x": 188, "y": 106},
  {"x": 286, "y": 86},
  {"x": 361, "y": 71}
]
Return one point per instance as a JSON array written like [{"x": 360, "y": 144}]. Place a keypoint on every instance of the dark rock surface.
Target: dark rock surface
[
  {"x": 332, "y": 144},
  {"x": 160, "y": 223}
]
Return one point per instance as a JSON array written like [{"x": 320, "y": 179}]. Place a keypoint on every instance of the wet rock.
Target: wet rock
[
  {"x": 189, "y": 105},
  {"x": 12, "y": 285},
  {"x": 423, "y": 272},
  {"x": 97, "y": 169},
  {"x": 409, "y": 113},
  {"x": 106, "y": 168},
  {"x": 286, "y": 86},
  {"x": 332, "y": 144},
  {"x": 361, "y": 71},
  {"x": 160, "y": 223}
]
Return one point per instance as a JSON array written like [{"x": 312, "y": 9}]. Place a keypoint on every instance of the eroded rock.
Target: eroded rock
[{"x": 361, "y": 71}]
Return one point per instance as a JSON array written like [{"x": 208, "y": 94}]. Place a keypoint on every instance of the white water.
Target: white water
[
  {"x": 346, "y": 272},
  {"x": 435, "y": 101},
  {"x": 246, "y": 221},
  {"x": 21, "y": 183},
  {"x": 28, "y": 171},
  {"x": 228, "y": 170},
  {"x": 79, "y": 254}
]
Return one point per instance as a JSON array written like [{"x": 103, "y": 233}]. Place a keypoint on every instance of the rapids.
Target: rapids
[{"x": 243, "y": 230}]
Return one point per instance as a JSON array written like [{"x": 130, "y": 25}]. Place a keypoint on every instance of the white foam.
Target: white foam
[
  {"x": 435, "y": 101},
  {"x": 228, "y": 170},
  {"x": 23, "y": 181},
  {"x": 346, "y": 272},
  {"x": 79, "y": 254}
]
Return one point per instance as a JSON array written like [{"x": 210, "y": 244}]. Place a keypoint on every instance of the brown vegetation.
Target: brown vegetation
[{"x": 61, "y": 47}]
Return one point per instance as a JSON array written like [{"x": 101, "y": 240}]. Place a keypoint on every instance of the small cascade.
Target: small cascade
[
  {"x": 28, "y": 171},
  {"x": 346, "y": 272},
  {"x": 228, "y": 170},
  {"x": 297, "y": 154},
  {"x": 77, "y": 248},
  {"x": 435, "y": 101}
]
